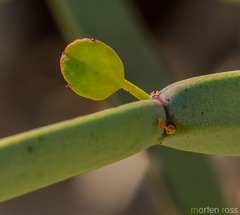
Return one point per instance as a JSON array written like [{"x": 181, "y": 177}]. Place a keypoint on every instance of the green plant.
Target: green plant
[
  {"x": 202, "y": 115},
  {"x": 120, "y": 25},
  {"x": 204, "y": 109}
]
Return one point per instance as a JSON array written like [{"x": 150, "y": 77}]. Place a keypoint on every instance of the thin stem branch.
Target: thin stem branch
[{"x": 135, "y": 91}]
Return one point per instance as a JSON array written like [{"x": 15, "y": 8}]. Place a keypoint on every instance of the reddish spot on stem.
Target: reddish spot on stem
[
  {"x": 68, "y": 86},
  {"x": 93, "y": 39}
]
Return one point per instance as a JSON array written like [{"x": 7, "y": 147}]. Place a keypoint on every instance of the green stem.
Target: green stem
[
  {"x": 135, "y": 91},
  {"x": 47, "y": 155}
]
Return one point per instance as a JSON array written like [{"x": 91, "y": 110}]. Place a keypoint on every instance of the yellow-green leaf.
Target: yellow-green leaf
[{"x": 94, "y": 70}]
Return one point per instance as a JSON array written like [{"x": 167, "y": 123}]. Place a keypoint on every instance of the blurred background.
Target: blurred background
[{"x": 160, "y": 42}]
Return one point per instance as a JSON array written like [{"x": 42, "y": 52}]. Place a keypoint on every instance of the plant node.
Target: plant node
[{"x": 170, "y": 129}]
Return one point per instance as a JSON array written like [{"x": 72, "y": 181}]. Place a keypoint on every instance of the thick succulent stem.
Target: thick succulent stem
[
  {"x": 44, "y": 156},
  {"x": 206, "y": 113}
]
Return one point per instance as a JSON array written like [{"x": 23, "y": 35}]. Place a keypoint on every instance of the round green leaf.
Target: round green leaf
[{"x": 92, "y": 69}]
